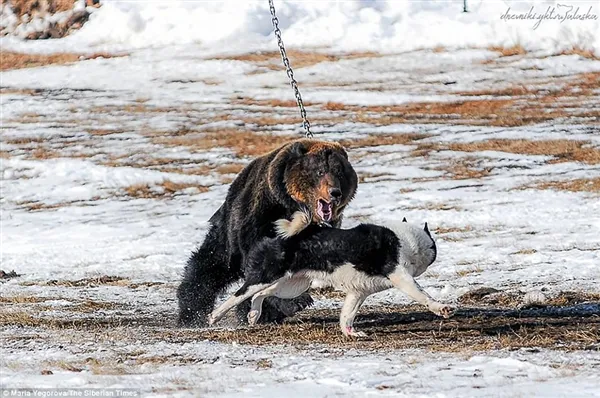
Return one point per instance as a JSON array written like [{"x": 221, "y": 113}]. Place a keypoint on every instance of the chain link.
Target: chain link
[{"x": 289, "y": 71}]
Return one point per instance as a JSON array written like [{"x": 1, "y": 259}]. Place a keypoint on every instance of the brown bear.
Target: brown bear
[{"x": 311, "y": 175}]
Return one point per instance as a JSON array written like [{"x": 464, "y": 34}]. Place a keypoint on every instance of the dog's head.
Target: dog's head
[{"x": 417, "y": 243}]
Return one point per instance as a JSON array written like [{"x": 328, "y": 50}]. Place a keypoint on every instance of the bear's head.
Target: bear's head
[{"x": 317, "y": 176}]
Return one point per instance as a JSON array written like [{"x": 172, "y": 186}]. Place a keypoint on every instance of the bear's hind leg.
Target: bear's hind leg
[{"x": 206, "y": 275}]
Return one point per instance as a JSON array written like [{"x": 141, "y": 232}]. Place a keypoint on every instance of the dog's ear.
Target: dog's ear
[
  {"x": 426, "y": 229},
  {"x": 404, "y": 219}
]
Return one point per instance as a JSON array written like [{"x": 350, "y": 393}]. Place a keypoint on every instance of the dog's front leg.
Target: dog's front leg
[
  {"x": 351, "y": 305},
  {"x": 405, "y": 282}
]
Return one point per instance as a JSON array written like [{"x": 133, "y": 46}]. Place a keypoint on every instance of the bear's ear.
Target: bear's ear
[
  {"x": 344, "y": 153},
  {"x": 297, "y": 149}
]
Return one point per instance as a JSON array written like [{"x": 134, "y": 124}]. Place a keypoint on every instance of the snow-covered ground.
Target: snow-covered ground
[
  {"x": 108, "y": 180},
  {"x": 383, "y": 26}
]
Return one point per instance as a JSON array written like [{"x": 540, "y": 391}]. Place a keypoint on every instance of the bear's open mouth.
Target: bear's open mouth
[{"x": 324, "y": 210}]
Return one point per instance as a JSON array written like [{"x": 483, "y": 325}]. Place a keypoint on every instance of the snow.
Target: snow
[
  {"x": 92, "y": 228},
  {"x": 387, "y": 26}
]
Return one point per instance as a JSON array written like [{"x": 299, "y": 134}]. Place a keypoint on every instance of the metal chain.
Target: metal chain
[{"x": 290, "y": 72}]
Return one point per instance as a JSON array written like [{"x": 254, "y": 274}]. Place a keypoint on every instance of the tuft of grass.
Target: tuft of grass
[
  {"x": 465, "y": 169},
  {"x": 299, "y": 59},
  {"x": 525, "y": 251},
  {"x": 375, "y": 140},
  {"x": 582, "y": 52},
  {"x": 468, "y": 271},
  {"x": 14, "y": 60},
  {"x": 448, "y": 230},
  {"x": 517, "y": 49},
  {"x": 563, "y": 150},
  {"x": 242, "y": 143},
  {"x": 166, "y": 189},
  {"x": 577, "y": 185}
]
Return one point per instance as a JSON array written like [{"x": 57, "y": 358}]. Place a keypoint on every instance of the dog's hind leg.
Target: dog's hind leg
[
  {"x": 235, "y": 300},
  {"x": 284, "y": 288},
  {"x": 351, "y": 305},
  {"x": 403, "y": 281}
]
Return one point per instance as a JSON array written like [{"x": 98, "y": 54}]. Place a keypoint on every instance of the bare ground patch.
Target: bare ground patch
[
  {"x": 569, "y": 328},
  {"x": 486, "y": 320}
]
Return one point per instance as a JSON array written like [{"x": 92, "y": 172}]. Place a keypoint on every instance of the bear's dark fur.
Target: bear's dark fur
[{"x": 306, "y": 174}]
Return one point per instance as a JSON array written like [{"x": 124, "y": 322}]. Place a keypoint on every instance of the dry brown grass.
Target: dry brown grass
[
  {"x": 411, "y": 327},
  {"x": 496, "y": 110},
  {"x": 517, "y": 49},
  {"x": 104, "y": 280},
  {"x": 243, "y": 143},
  {"x": 364, "y": 176},
  {"x": 298, "y": 59},
  {"x": 492, "y": 112},
  {"x": 577, "y": 185},
  {"x": 19, "y": 91},
  {"x": 449, "y": 230},
  {"x": 512, "y": 91},
  {"x": 525, "y": 251},
  {"x": 41, "y": 206},
  {"x": 23, "y": 299},
  {"x": 585, "y": 53},
  {"x": 562, "y": 150},
  {"x": 374, "y": 140},
  {"x": 464, "y": 169},
  {"x": 247, "y": 143},
  {"x": 274, "y": 103},
  {"x": 24, "y": 140},
  {"x": 498, "y": 322},
  {"x": 166, "y": 189},
  {"x": 13, "y": 60},
  {"x": 468, "y": 271}
]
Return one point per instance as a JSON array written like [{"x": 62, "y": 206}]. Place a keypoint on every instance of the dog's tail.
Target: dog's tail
[{"x": 288, "y": 228}]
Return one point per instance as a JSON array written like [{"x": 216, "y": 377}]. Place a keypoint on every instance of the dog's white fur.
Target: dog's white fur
[{"x": 414, "y": 258}]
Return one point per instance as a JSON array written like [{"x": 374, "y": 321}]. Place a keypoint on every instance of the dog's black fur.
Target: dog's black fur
[
  {"x": 371, "y": 249},
  {"x": 293, "y": 177}
]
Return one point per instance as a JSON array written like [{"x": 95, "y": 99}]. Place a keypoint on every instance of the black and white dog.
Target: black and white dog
[{"x": 361, "y": 261}]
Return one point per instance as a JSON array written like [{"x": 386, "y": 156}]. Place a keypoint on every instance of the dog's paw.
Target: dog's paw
[
  {"x": 443, "y": 310},
  {"x": 211, "y": 320},
  {"x": 350, "y": 332},
  {"x": 253, "y": 317}
]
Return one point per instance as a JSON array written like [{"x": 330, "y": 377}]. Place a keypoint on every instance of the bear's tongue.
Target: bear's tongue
[{"x": 324, "y": 210}]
